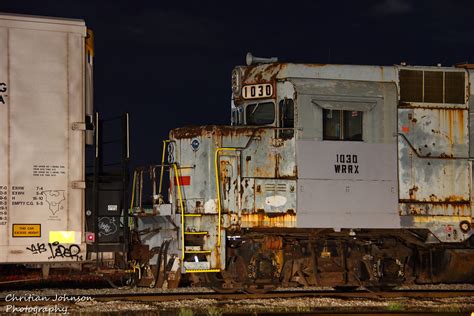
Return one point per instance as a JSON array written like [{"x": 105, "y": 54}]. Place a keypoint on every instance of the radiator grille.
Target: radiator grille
[{"x": 432, "y": 86}]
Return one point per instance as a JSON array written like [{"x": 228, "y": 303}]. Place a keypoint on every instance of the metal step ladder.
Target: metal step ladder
[{"x": 199, "y": 250}]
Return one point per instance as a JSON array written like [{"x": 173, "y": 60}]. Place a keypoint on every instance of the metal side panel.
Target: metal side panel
[
  {"x": 45, "y": 154},
  {"x": 432, "y": 180},
  {"x": 347, "y": 185},
  {"x": 347, "y": 204},
  {"x": 4, "y": 138},
  {"x": 337, "y": 160},
  {"x": 439, "y": 133}
]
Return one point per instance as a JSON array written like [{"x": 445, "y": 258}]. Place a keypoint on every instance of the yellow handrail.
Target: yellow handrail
[
  {"x": 216, "y": 159},
  {"x": 180, "y": 196}
]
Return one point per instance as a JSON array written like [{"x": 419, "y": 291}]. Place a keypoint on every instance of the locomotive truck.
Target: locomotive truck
[{"x": 328, "y": 175}]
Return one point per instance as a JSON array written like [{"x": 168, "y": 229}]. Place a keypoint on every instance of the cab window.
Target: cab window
[
  {"x": 260, "y": 113},
  {"x": 287, "y": 118},
  {"x": 287, "y": 113},
  {"x": 342, "y": 125}
]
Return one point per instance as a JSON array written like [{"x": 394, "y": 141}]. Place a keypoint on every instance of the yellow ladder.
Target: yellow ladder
[{"x": 185, "y": 249}]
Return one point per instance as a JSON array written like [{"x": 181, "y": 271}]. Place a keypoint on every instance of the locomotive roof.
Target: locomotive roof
[{"x": 272, "y": 71}]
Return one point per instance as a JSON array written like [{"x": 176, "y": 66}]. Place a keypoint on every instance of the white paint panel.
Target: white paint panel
[
  {"x": 319, "y": 160},
  {"x": 364, "y": 196},
  {"x": 347, "y": 204},
  {"x": 38, "y": 130}
]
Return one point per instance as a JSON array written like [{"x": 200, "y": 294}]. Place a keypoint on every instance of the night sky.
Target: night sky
[{"x": 169, "y": 63}]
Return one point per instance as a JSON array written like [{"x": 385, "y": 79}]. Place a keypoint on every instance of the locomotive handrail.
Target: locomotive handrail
[
  {"x": 403, "y": 136},
  {"x": 162, "y": 164},
  {"x": 180, "y": 197},
  {"x": 216, "y": 158}
]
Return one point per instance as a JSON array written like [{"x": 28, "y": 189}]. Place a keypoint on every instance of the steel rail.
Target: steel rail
[{"x": 175, "y": 296}]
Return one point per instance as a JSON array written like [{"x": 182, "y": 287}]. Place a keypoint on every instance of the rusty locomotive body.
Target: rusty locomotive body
[
  {"x": 329, "y": 175},
  {"x": 333, "y": 175}
]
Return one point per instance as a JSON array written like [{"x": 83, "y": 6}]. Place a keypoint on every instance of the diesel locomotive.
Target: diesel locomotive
[{"x": 328, "y": 175}]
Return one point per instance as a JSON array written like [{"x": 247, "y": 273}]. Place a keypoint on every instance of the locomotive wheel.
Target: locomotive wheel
[
  {"x": 262, "y": 274},
  {"x": 229, "y": 281}
]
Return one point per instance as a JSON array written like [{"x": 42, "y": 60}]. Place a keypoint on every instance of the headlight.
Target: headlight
[
  {"x": 171, "y": 155},
  {"x": 236, "y": 80}
]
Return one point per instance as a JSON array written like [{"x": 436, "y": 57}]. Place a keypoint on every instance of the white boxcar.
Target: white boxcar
[{"x": 42, "y": 139}]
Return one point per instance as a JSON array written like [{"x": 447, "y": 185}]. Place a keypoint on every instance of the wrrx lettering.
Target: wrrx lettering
[{"x": 354, "y": 169}]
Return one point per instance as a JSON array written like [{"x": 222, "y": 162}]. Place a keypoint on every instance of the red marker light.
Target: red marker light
[{"x": 90, "y": 237}]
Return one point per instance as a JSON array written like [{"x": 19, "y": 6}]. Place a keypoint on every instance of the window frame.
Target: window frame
[
  {"x": 286, "y": 122},
  {"x": 342, "y": 122},
  {"x": 257, "y": 104}
]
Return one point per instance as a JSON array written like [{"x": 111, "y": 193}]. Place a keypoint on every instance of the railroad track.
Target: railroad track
[
  {"x": 285, "y": 294},
  {"x": 128, "y": 295}
]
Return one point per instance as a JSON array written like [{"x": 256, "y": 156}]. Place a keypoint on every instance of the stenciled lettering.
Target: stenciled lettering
[
  {"x": 346, "y": 164},
  {"x": 3, "y": 89}
]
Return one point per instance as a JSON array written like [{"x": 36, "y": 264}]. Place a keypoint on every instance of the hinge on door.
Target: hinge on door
[
  {"x": 79, "y": 126},
  {"x": 78, "y": 184}
]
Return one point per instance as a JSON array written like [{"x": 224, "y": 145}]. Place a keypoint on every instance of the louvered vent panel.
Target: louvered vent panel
[
  {"x": 454, "y": 87},
  {"x": 411, "y": 86},
  {"x": 433, "y": 86}
]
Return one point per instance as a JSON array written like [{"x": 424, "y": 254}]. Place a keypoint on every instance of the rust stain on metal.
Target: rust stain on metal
[
  {"x": 455, "y": 198},
  {"x": 261, "y": 73},
  {"x": 272, "y": 243},
  {"x": 451, "y": 199},
  {"x": 412, "y": 192},
  {"x": 261, "y": 219},
  {"x": 461, "y": 125},
  {"x": 210, "y": 130},
  {"x": 437, "y": 208},
  {"x": 454, "y": 119}
]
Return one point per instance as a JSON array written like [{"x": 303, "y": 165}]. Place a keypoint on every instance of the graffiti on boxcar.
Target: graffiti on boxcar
[
  {"x": 37, "y": 248},
  {"x": 57, "y": 250},
  {"x": 107, "y": 226}
]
